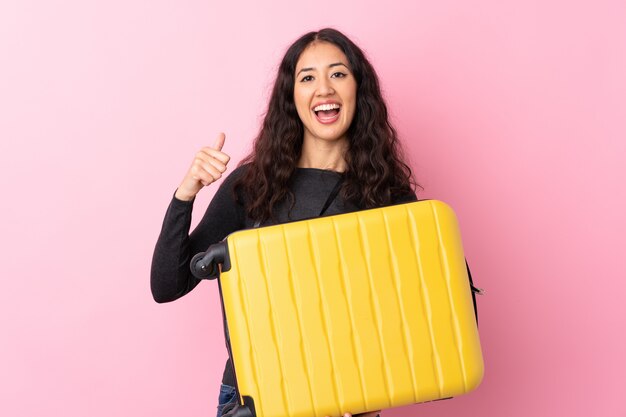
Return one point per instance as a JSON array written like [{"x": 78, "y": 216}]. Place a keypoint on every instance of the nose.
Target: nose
[{"x": 324, "y": 88}]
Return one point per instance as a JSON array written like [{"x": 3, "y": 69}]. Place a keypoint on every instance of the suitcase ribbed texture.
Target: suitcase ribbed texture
[{"x": 350, "y": 313}]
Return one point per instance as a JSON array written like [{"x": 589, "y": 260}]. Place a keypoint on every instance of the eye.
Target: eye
[
  {"x": 338, "y": 74},
  {"x": 306, "y": 78}
]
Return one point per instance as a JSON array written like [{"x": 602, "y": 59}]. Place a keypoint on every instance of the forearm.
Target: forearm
[{"x": 170, "y": 277}]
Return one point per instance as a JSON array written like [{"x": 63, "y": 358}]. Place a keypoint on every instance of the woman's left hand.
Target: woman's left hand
[{"x": 370, "y": 414}]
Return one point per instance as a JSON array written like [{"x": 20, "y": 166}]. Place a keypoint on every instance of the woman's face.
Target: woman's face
[{"x": 324, "y": 92}]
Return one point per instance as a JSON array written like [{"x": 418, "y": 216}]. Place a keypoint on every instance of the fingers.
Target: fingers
[
  {"x": 219, "y": 142},
  {"x": 207, "y": 167},
  {"x": 204, "y": 172},
  {"x": 208, "y": 154},
  {"x": 210, "y": 162},
  {"x": 216, "y": 150},
  {"x": 205, "y": 163}
]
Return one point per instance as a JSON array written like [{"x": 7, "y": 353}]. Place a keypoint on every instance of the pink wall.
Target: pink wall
[{"x": 513, "y": 112}]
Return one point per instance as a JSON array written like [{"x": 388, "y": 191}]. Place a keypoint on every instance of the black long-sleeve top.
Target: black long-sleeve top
[{"x": 171, "y": 277}]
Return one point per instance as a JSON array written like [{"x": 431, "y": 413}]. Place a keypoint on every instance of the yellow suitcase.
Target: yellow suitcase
[{"x": 348, "y": 313}]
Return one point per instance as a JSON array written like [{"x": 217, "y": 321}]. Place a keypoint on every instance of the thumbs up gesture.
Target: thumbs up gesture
[{"x": 207, "y": 167}]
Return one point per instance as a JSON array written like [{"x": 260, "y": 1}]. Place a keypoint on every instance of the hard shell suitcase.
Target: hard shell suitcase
[{"x": 348, "y": 313}]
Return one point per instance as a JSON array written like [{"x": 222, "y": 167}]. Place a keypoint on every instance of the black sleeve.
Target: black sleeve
[
  {"x": 407, "y": 197},
  {"x": 170, "y": 276}
]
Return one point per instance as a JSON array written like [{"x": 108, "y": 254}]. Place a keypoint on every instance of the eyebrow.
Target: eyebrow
[{"x": 336, "y": 64}]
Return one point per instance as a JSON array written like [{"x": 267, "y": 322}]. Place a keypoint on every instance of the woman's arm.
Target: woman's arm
[{"x": 170, "y": 276}]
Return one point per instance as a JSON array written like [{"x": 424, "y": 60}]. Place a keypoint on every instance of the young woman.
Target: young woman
[{"x": 326, "y": 128}]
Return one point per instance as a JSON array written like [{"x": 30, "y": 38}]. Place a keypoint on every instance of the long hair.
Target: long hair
[{"x": 375, "y": 172}]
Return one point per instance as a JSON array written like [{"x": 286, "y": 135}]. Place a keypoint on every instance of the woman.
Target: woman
[{"x": 326, "y": 128}]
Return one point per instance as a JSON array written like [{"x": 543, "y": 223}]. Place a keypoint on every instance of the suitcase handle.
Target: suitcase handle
[{"x": 205, "y": 264}]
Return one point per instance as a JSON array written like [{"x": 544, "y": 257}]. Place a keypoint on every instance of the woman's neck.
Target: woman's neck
[{"x": 322, "y": 154}]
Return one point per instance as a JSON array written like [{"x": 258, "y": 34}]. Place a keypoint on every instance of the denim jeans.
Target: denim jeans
[{"x": 228, "y": 394}]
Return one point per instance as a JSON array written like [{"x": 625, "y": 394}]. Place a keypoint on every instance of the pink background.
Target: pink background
[{"x": 512, "y": 112}]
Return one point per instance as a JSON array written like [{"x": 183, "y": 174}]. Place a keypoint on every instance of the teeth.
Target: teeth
[{"x": 326, "y": 107}]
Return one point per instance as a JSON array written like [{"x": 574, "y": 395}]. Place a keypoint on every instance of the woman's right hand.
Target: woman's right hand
[{"x": 207, "y": 167}]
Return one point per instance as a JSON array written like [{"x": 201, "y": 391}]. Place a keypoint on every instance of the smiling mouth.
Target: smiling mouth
[{"x": 327, "y": 113}]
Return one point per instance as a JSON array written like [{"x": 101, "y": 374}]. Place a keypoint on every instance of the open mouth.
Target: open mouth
[{"x": 327, "y": 113}]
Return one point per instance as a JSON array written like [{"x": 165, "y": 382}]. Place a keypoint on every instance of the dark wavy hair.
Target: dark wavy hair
[{"x": 375, "y": 173}]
